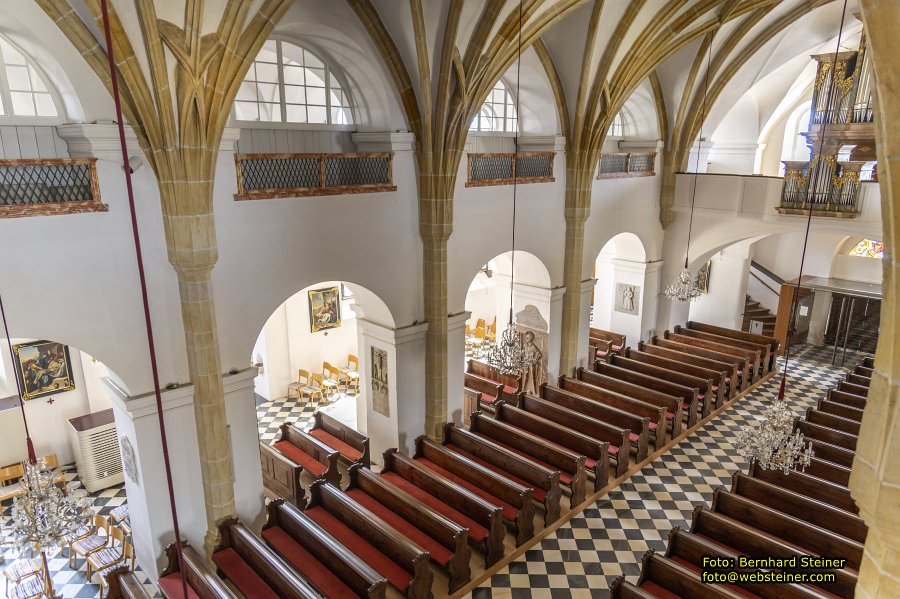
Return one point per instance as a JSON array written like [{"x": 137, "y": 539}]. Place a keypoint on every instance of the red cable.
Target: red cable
[
  {"x": 32, "y": 456},
  {"x": 140, "y": 264}
]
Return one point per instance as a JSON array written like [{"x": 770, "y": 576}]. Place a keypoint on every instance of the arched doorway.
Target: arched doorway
[
  {"x": 624, "y": 299},
  {"x": 324, "y": 349}
]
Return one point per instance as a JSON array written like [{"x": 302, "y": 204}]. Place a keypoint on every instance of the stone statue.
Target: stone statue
[{"x": 533, "y": 376}]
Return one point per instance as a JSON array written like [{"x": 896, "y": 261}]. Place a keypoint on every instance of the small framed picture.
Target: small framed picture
[
  {"x": 324, "y": 309},
  {"x": 43, "y": 368}
]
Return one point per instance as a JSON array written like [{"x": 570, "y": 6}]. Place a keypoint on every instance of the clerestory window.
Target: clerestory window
[
  {"x": 498, "y": 113},
  {"x": 23, "y": 90}
]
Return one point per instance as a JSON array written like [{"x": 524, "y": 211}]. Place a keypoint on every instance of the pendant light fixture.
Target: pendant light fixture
[
  {"x": 772, "y": 441},
  {"x": 509, "y": 355},
  {"x": 684, "y": 288}
]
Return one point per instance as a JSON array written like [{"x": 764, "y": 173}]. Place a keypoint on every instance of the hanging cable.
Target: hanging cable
[
  {"x": 144, "y": 297},
  {"x": 32, "y": 456},
  {"x": 512, "y": 277},
  {"x": 795, "y": 300}
]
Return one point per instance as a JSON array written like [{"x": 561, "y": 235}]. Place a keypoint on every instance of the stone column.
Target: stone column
[
  {"x": 818, "y": 320},
  {"x": 572, "y": 267},
  {"x": 875, "y": 478}
]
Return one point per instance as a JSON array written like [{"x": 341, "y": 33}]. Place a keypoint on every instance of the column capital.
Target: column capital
[
  {"x": 458, "y": 320},
  {"x": 588, "y": 285},
  {"x": 98, "y": 140},
  {"x": 384, "y": 141}
]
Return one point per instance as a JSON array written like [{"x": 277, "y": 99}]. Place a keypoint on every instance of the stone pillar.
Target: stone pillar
[
  {"x": 818, "y": 320},
  {"x": 556, "y": 308},
  {"x": 435, "y": 287},
  {"x": 875, "y": 478},
  {"x": 456, "y": 364},
  {"x": 584, "y": 322},
  {"x": 572, "y": 268}
]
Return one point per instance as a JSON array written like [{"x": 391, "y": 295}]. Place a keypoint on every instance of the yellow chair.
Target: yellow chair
[
  {"x": 8, "y": 488},
  {"x": 491, "y": 333},
  {"x": 51, "y": 463},
  {"x": 331, "y": 377},
  {"x": 318, "y": 381},
  {"x": 350, "y": 374},
  {"x": 92, "y": 543},
  {"x": 114, "y": 554},
  {"x": 304, "y": 388}
]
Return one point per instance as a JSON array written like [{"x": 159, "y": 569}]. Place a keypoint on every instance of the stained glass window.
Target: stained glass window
[
  {"x": 290, "y": 84},
  {"x": 868, "y": 248},
  {"x": 498, "y": 113}
]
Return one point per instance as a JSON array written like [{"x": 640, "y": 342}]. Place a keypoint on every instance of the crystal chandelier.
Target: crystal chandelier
[
  {"x": 684, "y": 288},
  {"x": 772, "y": 442},
  {"x": 45, "y": 515},
  {"x": 509, "y": 355}
]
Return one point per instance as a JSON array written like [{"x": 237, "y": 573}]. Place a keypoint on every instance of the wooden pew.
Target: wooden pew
[
  {"x": 839, "y": 475},
  {"x": 832, "y": 453},
  {"x": 860, "y": 390},
  {"x": 483, "y": 519},
  {"x": 742, "y": 365},
  {"x": 690, "y": 549},
  {"x": 512, "y": 383},
  {"x": 201, "y": 579},
  {"x": 848, "y": 399},
  {"x": 547, "y": 432},
  {"x": 617, "y": 438},
  {"x": 309, "y": 453},
  {"x": 603, "y": 412},
  {"x": 845, "y": 425},
  {"x": 772, "y": 342},
  {"x": 402, "y": 562},
  {"x": 814, "y": 539},
  {"x": 514, "y": 498},
  {"x": 446, "y": 541},
  {"x": 864, "y": 371},
  {"x": 764, "y": 349},
  {"x": 720, "y": 373},
  {"x": 752, "y": 357},
  {"x": 281, "y": 475},
  {"x": 471, "y": 403},
  {"x": 673, "y": 404},
  {"x": 839, "y": 409},
  {"x": 569, "y": 464},
  {"x": 668, "y": 578},
  {"x": 857, "y": 379},
  {"x": 808, "y": 486},
  {"x": 121, "y": 583},
  {"x": 705, "y": 390},
  {"x": 255, "y": 569},
  {"x": 748, "y": 540},
  {"x": 491, "y": 391},
  {"x": 639, "y": 410},
  {"x": 605, "y": 342},
  {"x": 544, "y": 482},
  {"x": 869, "y": 362},
  {"x": 333, "y": 568},
  {"x": 352, "y": 446},
  {"x": 792, "y": 503},
  {"x": 826, "y": 434}
]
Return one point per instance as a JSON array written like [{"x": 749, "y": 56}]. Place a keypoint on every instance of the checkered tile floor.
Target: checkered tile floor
[
  {"x": 585, "y": 555},
  {"x": 582, "y": 557}
]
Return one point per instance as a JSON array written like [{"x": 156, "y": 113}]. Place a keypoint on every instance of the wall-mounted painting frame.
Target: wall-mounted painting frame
[
  {"x": 702, "y": 280},
  {"x": 324, "y": 309},
  {"x": 43, "y": 368}
]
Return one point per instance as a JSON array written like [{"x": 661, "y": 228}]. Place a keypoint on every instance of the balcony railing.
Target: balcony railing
[
  {"x": 266, "y": 176},
  {"x": 504, "y": 168},
  {"x": 49, "y": 186},
  {"x": 623, "y": 164},
  {"x": 832, "y": 191}
]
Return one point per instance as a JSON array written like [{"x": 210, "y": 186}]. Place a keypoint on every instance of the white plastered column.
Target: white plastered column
[
  {"x": 584, "y": 322},
  {"x": 456, "y": 365}
]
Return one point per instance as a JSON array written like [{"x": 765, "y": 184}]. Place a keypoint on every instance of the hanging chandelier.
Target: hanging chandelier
[
  {"x": 46, "y": 515},
  {"x": 509, "y": 355},
  {"x": 773, "y": 443},
  {"x": 684, "y": 288}
]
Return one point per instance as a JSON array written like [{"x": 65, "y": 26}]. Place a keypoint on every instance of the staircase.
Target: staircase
[{"x": 753, "y": 311}]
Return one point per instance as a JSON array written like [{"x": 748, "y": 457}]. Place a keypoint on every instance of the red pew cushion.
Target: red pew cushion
[
  {"x": 242, "y": 575},
  {"x": 488, "y": 398},
  {"x": 382, "y": 564},
  {"x": 510, "y": 390},
  {"x": 173, "y": 589},
  {"x": 295, "y": 453},
  {"x": 616, "y": 347},
  {"x": 348, "y": 451},
  {"x": 478, "y": 532},
  {"x": 439, "y": 553},
  {"x": 509, "y": 511},
  {"x": 317, "y": 573},
  {"x": 658, "y": 591},
  {"x": 538, "y": 493}
]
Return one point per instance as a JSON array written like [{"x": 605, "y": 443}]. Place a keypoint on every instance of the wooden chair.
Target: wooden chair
[
  {"x": 51, "y": 463},
  {"x": 350, "y": 374},
  {"x": 35, "y": 586},
  {"x": 8, "y": 488},
  {"x": 330, "y": 380},
  {"x": 116, "y": 558},
  {"x": 303, "y": 387},
  {"x": 21, "y": 569},
  {"x": 318, "y": 381},
  {"x": 91, "y": 543},
  {"x": 111, "y": 555},
  {"x": 491, "y": 333}
]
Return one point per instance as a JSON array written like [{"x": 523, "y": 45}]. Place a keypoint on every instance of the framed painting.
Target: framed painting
[
  {"x": 324, "y": 309},
  {"x": 43, "y": 368},
  {"x": 703, "y": 276}
]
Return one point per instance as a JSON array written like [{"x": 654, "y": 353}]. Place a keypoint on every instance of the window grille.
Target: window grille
[
  {"x": 504, "y": 168},
  {"x": 616, "y": 165},
  {"x": 49, "y": 186}
]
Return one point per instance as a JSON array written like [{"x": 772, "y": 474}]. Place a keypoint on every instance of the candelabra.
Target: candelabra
[
  {"x": 684, "y": 288},
  {"x": 509, "y": 355},
  {"x": 773, "y": 443}
]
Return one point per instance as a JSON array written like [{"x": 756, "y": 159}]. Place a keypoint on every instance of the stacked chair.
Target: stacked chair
[{"x": 770, "y": 513}]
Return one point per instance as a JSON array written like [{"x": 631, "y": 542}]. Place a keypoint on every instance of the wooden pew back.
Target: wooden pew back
[
  {"x": 663, "y": 369},
  {"x": 764, "y": 349},
  {"x": 741, "y": 365},
  {"x": 708, "y": 367},
  {"x": 773, "y": 343},
  {"x": 489, "y": 372},
  {"x": 348, "y": 435},
  {"x": 629, "y": 388},
  {"x": 808, "y": 486},
  {"x": 753, "y": 358},
  {"x": 281, "y": 476},
  {"x": 122, "y": 583},
  {"x": 308, "y": 444},
  {"x": 199, "y": 576},
  {"x": 610, "y": 336},
  {"x": 849, "y": 399},
  {"x": 485, "y": 386}
]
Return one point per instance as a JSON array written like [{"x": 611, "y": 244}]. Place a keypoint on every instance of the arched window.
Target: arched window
[
  {"x": 290, "y": 84},
  {"x": 498, "y": 113},
  {"x": 868, "y": 248},
  {"x": 23, "y": 90},
  {"x": 617, "y": 127}
]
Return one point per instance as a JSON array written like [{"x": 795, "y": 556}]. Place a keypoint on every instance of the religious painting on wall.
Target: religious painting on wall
[
  {"x": 380, "y": 399},
  {"x": 43, "y": 367},
  {"x": 703, "y": 277},
  {"x": 324, "y": 309},
  {"x": 628, "y": 299}
]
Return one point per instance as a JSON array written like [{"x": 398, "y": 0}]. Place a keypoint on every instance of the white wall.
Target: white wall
[{"x": 723, "y": 305}]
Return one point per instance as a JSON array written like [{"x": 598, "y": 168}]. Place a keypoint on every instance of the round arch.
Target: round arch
[{"x": 621, "y": 298}]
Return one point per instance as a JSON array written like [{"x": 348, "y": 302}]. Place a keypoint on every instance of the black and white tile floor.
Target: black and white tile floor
[{"x": 582, "y": 557}]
